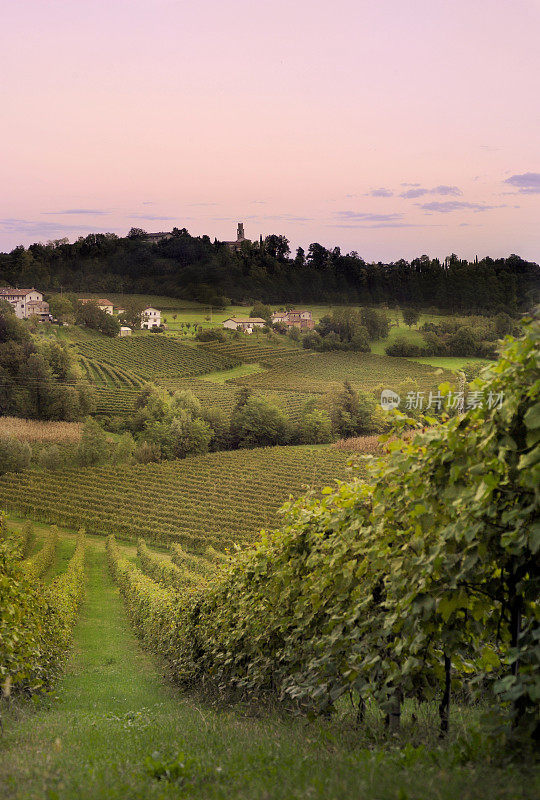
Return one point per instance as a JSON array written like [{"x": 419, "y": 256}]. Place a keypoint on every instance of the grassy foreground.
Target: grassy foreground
[{"x": 114, "y": 729}]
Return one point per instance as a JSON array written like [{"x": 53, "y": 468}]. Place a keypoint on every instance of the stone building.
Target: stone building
[
  {"x": 26, "y": 302},
  {"x": 240, "y": 238}
]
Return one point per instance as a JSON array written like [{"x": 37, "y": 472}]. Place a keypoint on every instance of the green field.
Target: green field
[
  {"x": 220, "y": 499},
  {"x": 308, "y": 371}
]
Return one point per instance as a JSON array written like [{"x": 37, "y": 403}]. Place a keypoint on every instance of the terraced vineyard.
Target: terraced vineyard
[
  {"x": 314, "y": 372},
  {"x": 103, "y": 374},
  {"x": 219, "y": 499},
  {"x": 114, "y": 400},
  {"x": 145, "y": 358},
  {"x": 248, "y": 351}
]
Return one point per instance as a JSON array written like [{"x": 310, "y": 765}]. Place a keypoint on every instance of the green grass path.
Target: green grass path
[{"x": 112, "y": 709}]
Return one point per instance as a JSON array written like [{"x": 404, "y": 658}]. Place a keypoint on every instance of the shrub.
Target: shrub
[
  {"x": 375, "y": 321},
  {"x": 94, "y": 446},
  {"x": 411, "y": 316},
  {"x": 350, "y": 329},
  {"x": 219, "y": 424},
  {"x": 261, "y": 310},
  {"x": 122, "y": 450},
  {"x": 258, "y": 423},
  {"x": 14, "y": 455},
  {"x": 187, "y": 401},
  {"x": 352, "y": 412},
  {"x": 312, "y": 340},
  {"x": 211, "y": 335},
  {"x": 190, "y": 436},
  {"x": 294, "y": 334},
  {"x": 52, "y": 458},
  {"x": 401, "y": 346},
  {"x": 147, "y": 452},
  {"x": 313, "y": 427}
]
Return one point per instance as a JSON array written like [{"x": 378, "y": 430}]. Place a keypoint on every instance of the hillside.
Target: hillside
[
  {"x": 195, "y": 268},
  {"x": 278, "y": 369},
  {"x": 218, "y": 499}
]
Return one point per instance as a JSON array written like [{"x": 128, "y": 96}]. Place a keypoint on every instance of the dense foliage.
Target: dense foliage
[
  {"x": 197, "y": 268},
  {"x": 36, "y": 622},
  {"x": 38, "y": 380},
  {"x": 90, "y": 315},
  {"x": 348, "y": 329},
  {"x": 467, "y": 336}
]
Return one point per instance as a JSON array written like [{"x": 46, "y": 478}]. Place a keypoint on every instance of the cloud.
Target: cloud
[
  {"x": 411, "y": 193},
  {"x": 410, "y": 184},
  {"x": 526, "y": 183},
  {"x": 279, "y": 217},
  {"x": 151, "y": 217},
  {"x": 365, "y": 216},
  {"x": 41, "y": 228},
  {"x": 93, "y": 211},
  {"x": 202, "y": 204},
  {"x": 374, "y": 225},
  {"x": 447, "y": 190},
  {"x": 442, "y": 189},
  {"x": 147, "y": 203},
  {"x": 448, "y": 206},
  {"x": 381, "y": 192}
]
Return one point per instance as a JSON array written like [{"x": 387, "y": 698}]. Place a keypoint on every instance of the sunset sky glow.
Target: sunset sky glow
[{"x": 387, "y": 127}]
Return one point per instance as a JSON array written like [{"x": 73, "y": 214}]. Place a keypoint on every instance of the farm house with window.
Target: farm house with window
[{"x": 150, "y": 318}]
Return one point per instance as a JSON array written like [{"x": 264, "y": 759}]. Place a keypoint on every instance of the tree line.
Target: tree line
[{"x": 197, "y": 268}]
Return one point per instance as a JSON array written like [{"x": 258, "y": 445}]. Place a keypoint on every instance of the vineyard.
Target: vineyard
[
  {"x": 223, "y": 396},
  {"x": 398, "y": 588},
  {"x": 103, "y": 374},
  {"x": 111, "y": 400},
  {"x": 36, "y": 621},
  {"x": 291, "y": 377},
  {"x": 129, "y": 360},
  {"x": 219, "y": 499},
  {"x": 400, "y": 610},
  {"x": 248, "y": 351},
  {"x": 315, "y": 372}
]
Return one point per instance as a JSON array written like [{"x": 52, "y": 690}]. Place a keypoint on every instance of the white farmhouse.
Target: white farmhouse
[
  {"x": 245, "y": 324},
  {"x": 26, "y": 302},
  {"x": 150, "y": 318}
]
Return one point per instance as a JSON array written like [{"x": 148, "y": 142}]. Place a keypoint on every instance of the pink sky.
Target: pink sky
[{"x": 311, "y": 119}]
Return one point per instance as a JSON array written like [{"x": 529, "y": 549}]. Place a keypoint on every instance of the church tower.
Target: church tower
[{"x": 240, "y": 232}]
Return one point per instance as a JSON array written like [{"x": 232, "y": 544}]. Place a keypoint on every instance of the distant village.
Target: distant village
[{"x": 30, "y": 303}]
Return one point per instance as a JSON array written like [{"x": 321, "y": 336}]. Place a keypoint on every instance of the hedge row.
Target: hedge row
[
  {"x": 35, "y": 624},
  {"x": 152, "y": 608},
  {"x": 38, "y": 564},
  {"x": 162, "y": 570},
  {"x": 23, "y": 538}
]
